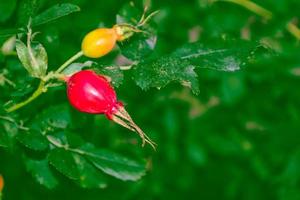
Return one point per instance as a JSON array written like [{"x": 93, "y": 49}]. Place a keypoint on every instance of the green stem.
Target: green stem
[
  {"x": 11, "y": 120},
  {"x": 57, "y": 144},
  {"x": 252, "y": 7},
  {"x": 42, "y": 86},
  {"x": 69, "y": 61},
  {"x": 36, "y": 93}
]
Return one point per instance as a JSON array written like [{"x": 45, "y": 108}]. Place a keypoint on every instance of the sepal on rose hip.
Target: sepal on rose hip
[
  {"x": 92, "y": 93},
  {"x": 124, "y": 119}
]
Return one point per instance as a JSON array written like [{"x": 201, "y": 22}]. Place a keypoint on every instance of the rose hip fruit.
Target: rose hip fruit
[
  {"x": 99, "y": 42},
  {"x": 92, "y": 93},
  {"x": 1, "y": 183}
]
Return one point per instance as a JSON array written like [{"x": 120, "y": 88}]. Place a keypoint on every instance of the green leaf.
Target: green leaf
[
  {"x": 33, "y": 140},
  {"x": 57, "y": 117},
  {"x": 64, "y": 137},
  {"x": 114, "y": 164},
  {"x": 232, "y": 88},
  {"x": 8, "y": 132},
  {"x": 55, "y": 12},
  {"x": 90, "y": 177},
  {"x": 129, "y": 14},
  {"x": 10, "y": 32},
  {"x": 224, "y": 56},
  {"x": 76, "y": 67},
  {"x": 41, "y": 171},
  {"x": 196, "y": 154},
  {"x": 159, "y": 73},
  {"x": 6, "y": 9},
  {"x": 41, "y": 58},
  {"x": 3, "y": 139},
  {"x": 290, "y": 168},
  {"x": 179, "y": 66},
  {"x": 64, "y": 162},
  {"x": 26, "y": 10},
  {"x": 8, "y": 46},
  {"x": 139, "y": 45},
  {"x": 24, "y": 57},
  {"x": 114, "y": 72},
  {"x": 37, "y": 64}
]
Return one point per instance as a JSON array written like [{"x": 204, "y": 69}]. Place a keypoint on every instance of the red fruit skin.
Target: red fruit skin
[
  {"x": 1, "y": 183},
  {"x": 91, "y": 93}
]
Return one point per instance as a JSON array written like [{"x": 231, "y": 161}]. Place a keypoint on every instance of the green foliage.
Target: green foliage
[
  {"x": 64, "y": 162},
  {"x": 90, "y": 176},
  {"x": 34, "y": 59},
  {"x": 141, "y": 45},
  {"x": 27, "y": 12},
  {"x": 7, "y": 9},
  {"x": 164, "y": 70},
  {"x": 55, "y": 12},
  {"x": 33, "y": 140},
  {"x": 114, "y": 164},
  {"x": 55, "y": 117},
  {"x": 41, "y": 171},
  {"x": 179, "y": 65},
  {"x": 76, "y": 67},
  {"x": 225, "y": 118}
]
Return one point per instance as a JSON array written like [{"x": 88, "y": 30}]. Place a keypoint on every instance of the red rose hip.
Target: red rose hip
[
  {"x": 1, "y": 184},
  {"x": 92, "y": 93}
]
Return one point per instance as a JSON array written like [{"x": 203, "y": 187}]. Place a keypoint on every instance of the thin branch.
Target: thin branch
[
  {"x": 11, "y": 120},
  {"x": 37, "y": 93}
]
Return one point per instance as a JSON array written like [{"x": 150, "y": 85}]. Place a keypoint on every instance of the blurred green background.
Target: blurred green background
[{"x": 238, "y": 139}]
